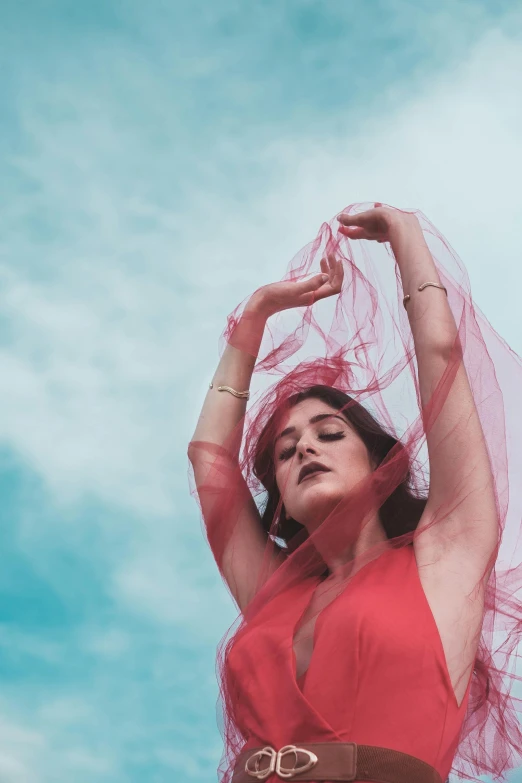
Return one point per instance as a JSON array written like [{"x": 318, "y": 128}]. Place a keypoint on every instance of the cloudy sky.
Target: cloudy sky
[{"x": 158, "y": 162}]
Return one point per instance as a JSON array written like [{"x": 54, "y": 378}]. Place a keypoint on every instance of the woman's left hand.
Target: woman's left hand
[{"x": 376, "y": 224}]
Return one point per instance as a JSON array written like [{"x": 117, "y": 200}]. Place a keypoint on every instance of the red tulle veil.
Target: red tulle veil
[{"x": 360, "y": 342}]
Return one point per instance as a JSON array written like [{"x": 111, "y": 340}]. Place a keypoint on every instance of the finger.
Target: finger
[
  {"x": 349, "y": 220},
  {"x": 323, "y": 292},
  {"x": 307, "y": 299},
  {"x": 312, "y": 284},
  {"x": 355, "y": 220},
  {"x": 334, "y": 284},
  {"x": 353, "y": 232},
  {"x": 331, "y": 262},
  {"x": 324, "y": 265},
  {"x": 338, "y": 277},
  {"x": 377, "y": 204},
  {"x": 334, "y": 267}
]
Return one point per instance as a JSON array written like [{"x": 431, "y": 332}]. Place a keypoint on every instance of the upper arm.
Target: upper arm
[
  {"x": 458, "y": 532},
  {"x": 461, "y": 513},
  {"x": 234, "y": 530}
]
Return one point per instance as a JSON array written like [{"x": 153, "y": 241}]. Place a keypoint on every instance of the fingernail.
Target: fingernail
[{"x": 324, "y": 278}]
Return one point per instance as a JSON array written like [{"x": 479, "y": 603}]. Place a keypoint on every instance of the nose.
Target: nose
[{"x": 304, "y": 447}]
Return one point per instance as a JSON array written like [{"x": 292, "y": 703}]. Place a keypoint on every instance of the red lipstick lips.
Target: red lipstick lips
[{"x": 311, "y": 467}]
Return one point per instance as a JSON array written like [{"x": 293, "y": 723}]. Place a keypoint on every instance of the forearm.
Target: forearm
[
  {"x": 431, "y": 320},
  {"x": 222, "y": 412}
]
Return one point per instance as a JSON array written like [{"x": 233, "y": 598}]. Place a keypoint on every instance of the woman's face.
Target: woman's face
[{"x": 318, "y": 459}]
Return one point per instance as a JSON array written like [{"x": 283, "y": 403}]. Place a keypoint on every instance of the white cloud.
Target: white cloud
[
  {"x": 47, "y": 747},
  {"x": 19, "y": 750},
  {"x": 109, "y": 644},
  {"x": 454, "y": 151},
  {"x": 112, "y": 325},
  {"x": 107, "y": 361},
  {"x": 15, "y": 643},
  {"x": 175, "y": 588},
  {"x": 112, "y": 296}
]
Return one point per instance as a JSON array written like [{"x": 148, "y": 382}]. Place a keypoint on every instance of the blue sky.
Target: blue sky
[{"x": 159, "y": 161}]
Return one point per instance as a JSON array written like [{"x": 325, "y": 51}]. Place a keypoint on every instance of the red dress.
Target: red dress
[{"x": 377, "y": 676}]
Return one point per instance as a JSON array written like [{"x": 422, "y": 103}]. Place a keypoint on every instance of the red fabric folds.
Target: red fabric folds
[{"x": 277, "y": 684}]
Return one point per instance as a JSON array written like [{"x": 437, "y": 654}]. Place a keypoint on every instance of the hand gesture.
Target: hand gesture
[
  {"x": 375, "y": 224},
  {"x": 275, "y": 297}
]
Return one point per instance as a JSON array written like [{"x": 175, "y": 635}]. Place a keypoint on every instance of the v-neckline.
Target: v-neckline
[
  {"x": 298, "y": 690},
  {"x": 314, "y": 584},
  {"x": 309, "y": 595}
]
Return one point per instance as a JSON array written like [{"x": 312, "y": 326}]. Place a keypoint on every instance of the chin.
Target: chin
[{"x": 317, "y": 503}]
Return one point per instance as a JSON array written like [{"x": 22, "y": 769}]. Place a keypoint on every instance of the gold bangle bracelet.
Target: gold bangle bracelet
[
  {"x": 244, "y": 395},
  {"x": 421, "y": 288}
]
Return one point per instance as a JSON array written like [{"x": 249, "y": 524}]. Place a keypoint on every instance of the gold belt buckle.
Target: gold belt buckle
[{"x": 275, "y": 762}]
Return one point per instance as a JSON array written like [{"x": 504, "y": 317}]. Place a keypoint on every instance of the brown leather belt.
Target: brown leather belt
[{"x": 332, "y": 761}]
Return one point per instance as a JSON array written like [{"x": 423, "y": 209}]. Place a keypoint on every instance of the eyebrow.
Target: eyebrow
[{"x": 313, "y": 420}]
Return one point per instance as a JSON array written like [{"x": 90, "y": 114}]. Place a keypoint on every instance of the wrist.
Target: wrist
[
  {"x": 401, "y": 223},
  {"x": 257, "y": 306},
  {"x": 405, "y": 233}
]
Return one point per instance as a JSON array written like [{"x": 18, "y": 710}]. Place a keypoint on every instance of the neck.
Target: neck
[{"x": 371, "y": 537}]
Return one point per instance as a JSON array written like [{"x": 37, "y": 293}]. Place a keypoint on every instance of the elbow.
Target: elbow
[
  {"x": 205, "y": 451},
  {"x": 448, "y": 345},
  {"x": 193, "y": 452}
]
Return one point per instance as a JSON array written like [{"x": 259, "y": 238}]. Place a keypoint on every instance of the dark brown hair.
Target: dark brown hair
[{"x": 400, "y": 512}]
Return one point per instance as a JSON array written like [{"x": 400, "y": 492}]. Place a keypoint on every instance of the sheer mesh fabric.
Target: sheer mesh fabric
[{"x": 361, "y": 343}]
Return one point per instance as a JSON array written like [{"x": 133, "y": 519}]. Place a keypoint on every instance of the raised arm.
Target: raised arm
[
  {"x": 239, "y": 542},
  {"x": 458, "y": 531},
  {"x": 461, "y": 482}
]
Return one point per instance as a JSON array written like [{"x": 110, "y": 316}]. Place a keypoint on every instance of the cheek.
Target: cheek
[
  {"x": 291, "y": 493},
  {"x": 353, "y": 461},
  {"x": 283, "y": 476}
]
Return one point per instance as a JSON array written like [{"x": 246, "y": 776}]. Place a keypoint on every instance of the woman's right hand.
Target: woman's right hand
[{"x": 273, "y": 298}]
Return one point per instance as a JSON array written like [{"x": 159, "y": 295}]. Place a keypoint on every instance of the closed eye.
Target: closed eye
[
  {"x": 331, "y": 435},
  {"x": 287, "y": 453},
  {"x": 290, "y": 450}
]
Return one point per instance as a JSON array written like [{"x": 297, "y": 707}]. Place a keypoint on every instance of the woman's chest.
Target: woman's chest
[{"x": 361, "y": 623}]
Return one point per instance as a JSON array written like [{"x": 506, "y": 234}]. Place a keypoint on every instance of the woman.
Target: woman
[{"x": 367, "y": 587}]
